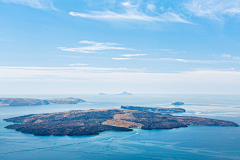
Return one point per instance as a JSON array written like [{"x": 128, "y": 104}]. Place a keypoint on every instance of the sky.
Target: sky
[{"x": 111, "y": 46}]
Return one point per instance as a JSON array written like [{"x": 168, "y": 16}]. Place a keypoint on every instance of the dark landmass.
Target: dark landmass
[
  {"x": 155, "y": 109},
  {"x": 125, "y": 93},
  {"x": 31, "y": 101},
  {"x": 93, "y": 122},
  {"x": 102, "y": 94},
  {"x": 177, "y": 103}
]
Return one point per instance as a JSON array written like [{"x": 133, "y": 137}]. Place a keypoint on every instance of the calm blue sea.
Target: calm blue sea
[{"x": 194, "y": 142}]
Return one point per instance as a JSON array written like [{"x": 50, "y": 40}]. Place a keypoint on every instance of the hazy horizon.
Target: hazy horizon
[{"x": 142, "y": 47}]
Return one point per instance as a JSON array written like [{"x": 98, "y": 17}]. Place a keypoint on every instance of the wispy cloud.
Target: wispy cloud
[
  {"x": 230, "y": 56},
  {"x": 130, "y": 12},
  {"x": 151, "y": 7},
  {"x": 214, "y": 9},
  {"x": 226, "y": 55},
  {"x": 171, "y": 51},
  {"x": 172, "y": 59},
  {"x": 39, "y": 4},
  {"x": 133, "y": 55},
  {"x": 94, "y": 46},
  {"x": 121, "y": 58},
  {"x": 78, "y": 64}
]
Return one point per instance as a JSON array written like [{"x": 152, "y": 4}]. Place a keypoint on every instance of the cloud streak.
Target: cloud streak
[
  {"x": 78, "y": 64},
  {"x": 133, "y": 55},
  {"x": 213, "y": 9},
  {"x": 39, "y": 4},
  {"x": 94, "y": 47},
  {"x": 121, "y": 58},
  {"x": 131, "y": 13},
  {"x": 230, "y": 56},
  {"x": 172, "y": 59}
]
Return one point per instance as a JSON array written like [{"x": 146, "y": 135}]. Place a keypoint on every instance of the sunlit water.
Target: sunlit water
[{"x": 194, "y": 142}]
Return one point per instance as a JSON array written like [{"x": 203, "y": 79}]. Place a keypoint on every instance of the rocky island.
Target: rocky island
[
  {"x": 93, "y": 122},
  {"x": 177, "y": 103},
  {"x": 102, "y": 94},
  {"x": 31, "y": 101},
  {"x": 125, "y": 93},
  {"x": 155, "y": 109}
]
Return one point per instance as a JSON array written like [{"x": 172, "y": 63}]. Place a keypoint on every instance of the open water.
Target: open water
[{"x": 193, "y": 142}]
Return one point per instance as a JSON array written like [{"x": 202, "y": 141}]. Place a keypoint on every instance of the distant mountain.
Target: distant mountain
[
  {"x": 102, "y": 94},
  {"x": 125, "y": 93}
]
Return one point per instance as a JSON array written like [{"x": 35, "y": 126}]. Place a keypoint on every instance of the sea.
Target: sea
[{"x": 193, "y": 142}]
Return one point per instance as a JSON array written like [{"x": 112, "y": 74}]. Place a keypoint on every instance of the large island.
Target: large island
[
  {"x": 31, "y": 101},
  {"x": 93, "y": 122}
]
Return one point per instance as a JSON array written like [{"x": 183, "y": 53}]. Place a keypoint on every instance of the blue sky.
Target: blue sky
[{"x": 87, "y": 46}]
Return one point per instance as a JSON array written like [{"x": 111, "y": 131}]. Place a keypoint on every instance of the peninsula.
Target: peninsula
[
  {"x": 31, "y": 101},
  {"x": 155, "y": 109},
  {"x": 93, "y": 122}
]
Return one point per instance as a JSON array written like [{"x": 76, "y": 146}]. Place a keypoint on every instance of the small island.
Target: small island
[
  {"x": 155, "y": 109},
  {"x": 125, "y": 93},
  {"x": 177, "y": 103},
  {"x": 93, "y": 122},
  {"x": 102, "y": 94},
  {"x": 31, "y": 101}
]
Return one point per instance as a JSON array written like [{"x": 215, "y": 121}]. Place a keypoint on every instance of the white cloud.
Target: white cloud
[
  {"x": 181, "y": 60},
  {"x": 226, "y": 55},
  {"x": 126, "y": 4},
  {"x": 230, "y": 56},
  {"x": 39, "y": 4},
  {"x": 214, "y": 9},
  {"x": 94, "y": 46},
  {"x": 172, "y": 59},
  {"x": 78, "y": 64},
  {"x": 151, "y": 7},
  {"x": 171, "y": 51},
  {"x": 236, "y": 58},
  {"x": 130, "y": 13},
  {"x": 121, "y": 58},
  {"x": 133, "y": 55}
]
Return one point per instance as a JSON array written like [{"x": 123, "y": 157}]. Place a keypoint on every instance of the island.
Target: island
[
  {"x": 102, "y": 94},
  {"x": 125, "y": 93},
  {"x": 155, "y": 109},
  {"x": 31, "y": 101},
  {"x": 177, "y": 103},
  {"x": 93, "y": 122}
]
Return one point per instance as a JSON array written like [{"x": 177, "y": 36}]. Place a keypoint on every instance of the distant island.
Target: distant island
[
  {"x": 177, "y": 103},
  {"x": 125, "y": 93},
  {"x": 31, "y": 101},
  {"x": 102, "y": 94},
  {"x": 93, "y": 122},
  {"x": 155, "y": 109}
]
